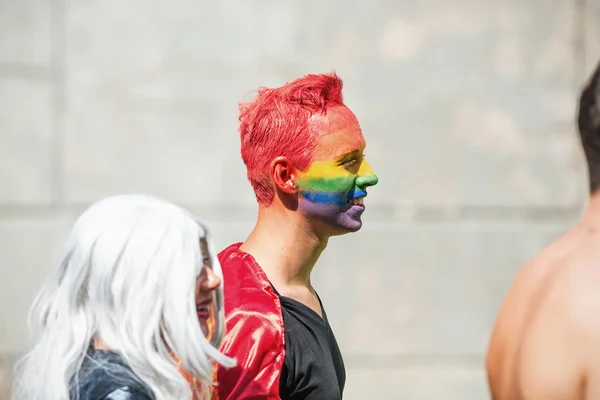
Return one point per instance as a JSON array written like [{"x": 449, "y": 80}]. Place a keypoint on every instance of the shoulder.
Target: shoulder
[
  {"x": 247, "y": 289},
  {"x": 240, "y": 267},
  {"x": 257, "y": 322},
  {"x": 581, "y": 299},
  {"x": 255, "y": 332},
  {"x": 532, "y": 290},
  {"x": 105, "y": 372},
  {"x": 531, "y": 283},
  {"x": 579, "y": 304},
  {"x": 568, "y": 305},
  {"x": 252, "y": 308}
]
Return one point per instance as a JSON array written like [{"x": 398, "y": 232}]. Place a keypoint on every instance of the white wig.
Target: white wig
[{"x": 127, "y": 276}]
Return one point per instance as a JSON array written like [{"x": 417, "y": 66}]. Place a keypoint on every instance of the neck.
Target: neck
[
  {"x": 591, "y": 214},
  {"x": 98, "y": 344},
  {"x": 284, "y": 245}
]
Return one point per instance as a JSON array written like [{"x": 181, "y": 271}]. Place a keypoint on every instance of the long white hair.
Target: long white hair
[{"x": 127, "y": 276}]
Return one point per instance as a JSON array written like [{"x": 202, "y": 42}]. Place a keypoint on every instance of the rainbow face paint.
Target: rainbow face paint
[{"x": 333, "y": 187}]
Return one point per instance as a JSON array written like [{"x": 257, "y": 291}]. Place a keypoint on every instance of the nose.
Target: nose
[
  {"x": 212, "y": 281},
  {"x": 366, "y": 176}
]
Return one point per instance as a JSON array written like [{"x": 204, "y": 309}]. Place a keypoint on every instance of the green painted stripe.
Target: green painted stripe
[{"x": 327, "y": 184}]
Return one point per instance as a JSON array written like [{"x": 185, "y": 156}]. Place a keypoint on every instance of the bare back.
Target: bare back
[{"x": 547, "y": 336}]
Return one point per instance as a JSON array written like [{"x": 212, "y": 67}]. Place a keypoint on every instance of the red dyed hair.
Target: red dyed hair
[{"x": 275, "y": 124}]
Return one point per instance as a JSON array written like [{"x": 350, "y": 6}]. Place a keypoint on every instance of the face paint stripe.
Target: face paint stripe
[
  {"x": 332, "y": 198},
  {"x": 326, "y": 184},
  {"x": 325, "y": 169},
  {"x": 324, "y": 197},
  {"x": 330, "y": 184}
]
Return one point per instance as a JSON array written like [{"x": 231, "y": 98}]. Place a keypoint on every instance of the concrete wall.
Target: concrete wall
[{"x": 468, "y": 109}]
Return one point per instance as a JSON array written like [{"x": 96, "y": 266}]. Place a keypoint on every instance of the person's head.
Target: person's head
[
  {"x": 303, "y": 148},
  {"x": 138, "y": 274},
  {"x": 589, "y": 127}
]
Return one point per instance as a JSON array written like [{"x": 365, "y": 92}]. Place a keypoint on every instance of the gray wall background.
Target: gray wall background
[{"x": 467, "y": 106}]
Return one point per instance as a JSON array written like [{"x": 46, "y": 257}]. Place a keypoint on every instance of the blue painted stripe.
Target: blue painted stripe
[
  {"x": 324, "y": 197},
  {"x": 332, "y": 197}
]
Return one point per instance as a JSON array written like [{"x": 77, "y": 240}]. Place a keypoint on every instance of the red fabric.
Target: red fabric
[{"x": 254, "y": 334}]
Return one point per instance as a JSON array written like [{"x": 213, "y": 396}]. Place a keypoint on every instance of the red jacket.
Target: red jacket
[{"x": 254, "y": 335}]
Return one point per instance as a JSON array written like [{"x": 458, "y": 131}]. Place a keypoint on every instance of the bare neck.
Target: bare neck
[
  {"x": 591, "y": 215},
  {"x": 98, "y": 344},
  {"x": 285, "y": 246}
]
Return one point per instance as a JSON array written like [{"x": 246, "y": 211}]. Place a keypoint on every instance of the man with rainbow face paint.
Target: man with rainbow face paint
[{"x": 304, "y": 154}]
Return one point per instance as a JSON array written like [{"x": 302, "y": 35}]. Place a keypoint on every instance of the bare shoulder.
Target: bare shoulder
[
  {"x": 581, "y": 293},
  {"x": 577, "y": 318},
  {"x": 525, "y": 314},
  {"x": 529, "y": 283},
  {"x": 510, "y": 323},
  {"x": 559, "y": 337}
]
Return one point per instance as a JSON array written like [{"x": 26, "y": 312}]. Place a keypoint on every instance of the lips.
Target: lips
[{"x": 203, "y": 309}]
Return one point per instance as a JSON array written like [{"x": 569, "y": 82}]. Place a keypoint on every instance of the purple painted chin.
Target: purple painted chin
[{"x": 346, "y": 217}]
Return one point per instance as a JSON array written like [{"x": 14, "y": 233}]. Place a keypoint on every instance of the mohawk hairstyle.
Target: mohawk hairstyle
[
  {"x": 589, "y": 127},
  {"x": 276, "y": 124}
]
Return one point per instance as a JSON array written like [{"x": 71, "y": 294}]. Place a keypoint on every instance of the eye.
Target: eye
[{"x": 350, "y": 163}]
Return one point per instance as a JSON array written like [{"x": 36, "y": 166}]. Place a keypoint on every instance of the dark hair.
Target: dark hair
[{"x": 589, "y": 127}]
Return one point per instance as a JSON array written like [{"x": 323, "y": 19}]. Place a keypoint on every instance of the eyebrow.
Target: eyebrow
[{"x": 349, "y": 154}]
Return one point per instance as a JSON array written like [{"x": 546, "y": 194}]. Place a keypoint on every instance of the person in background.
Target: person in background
[
  {"x": 546, "y": 341},
  {"x": 133, "y": 308}
]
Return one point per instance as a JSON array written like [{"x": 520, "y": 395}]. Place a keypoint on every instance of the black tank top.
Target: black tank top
[{"x": 313, "y": 368}]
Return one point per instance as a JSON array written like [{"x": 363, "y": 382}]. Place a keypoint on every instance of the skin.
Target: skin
[
  {"x": 311, "y": 205},
  {"x": 206, "y": 283},
  {"x": 546, "y": 341},
  {"x": 337, "y": 174}
]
